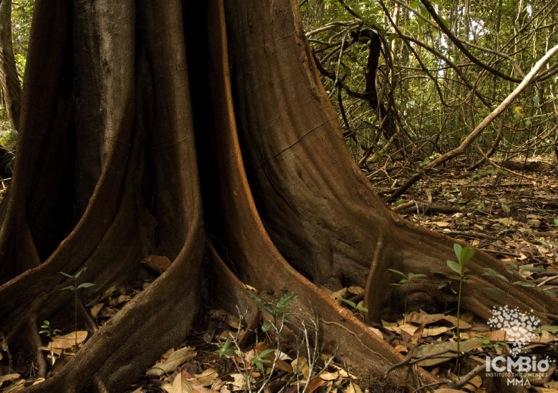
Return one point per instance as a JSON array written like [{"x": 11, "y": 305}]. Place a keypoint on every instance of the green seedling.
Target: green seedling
[
  {"x": 47, "y": 330},
  {"x": 262, "y": 359},
  {"x": 226, "y": 349},
  {"x": 75, "y": 288},
  {"x": 405, "y": 279},
  {"x": 463, "y": 255}
]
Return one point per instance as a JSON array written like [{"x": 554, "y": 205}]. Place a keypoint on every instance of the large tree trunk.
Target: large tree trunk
[
  {"x": 107, "y": 174},
  {"x": 9, "y": 80}
]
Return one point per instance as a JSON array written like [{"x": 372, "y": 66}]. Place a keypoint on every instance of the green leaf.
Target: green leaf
[
  {"x": 226, "y": 349},
  {"x": 493, "y": 273},
  {"x": 556, "y": 222},
  {"x": 267, "y": 326},
  {"x": 69, "y": 288},
  {"x": 261, "y": 359},
  {"x": 348, "y": 302},
  {"x": 443, "y": 285},
  {"x": 283, "y": 302},
  {"x": 85, "y": 285},
  {"x": 362, "y": 308},
  {"x": 457, "y": 250},
  {"x": 397, "y": 272},
  {"x": 66, "y": 274},
  {"x": 536, "y": 100},
  {"x": 526, "y": 284},
  {"x": 412, "y": 276},
  {"x": 79, "y": 272},
  {"x": 466, "y": 254},
  {"x": 550, "y": 328},
  {"x": 456, "y": 267}
]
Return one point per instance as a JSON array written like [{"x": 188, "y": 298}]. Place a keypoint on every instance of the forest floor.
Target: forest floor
[{"x": 512, "y": 215}]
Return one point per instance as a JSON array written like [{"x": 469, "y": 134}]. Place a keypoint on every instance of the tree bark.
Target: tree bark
[
  {"x": 131, "y": 117},
  {"x": 9, "y": 80}
]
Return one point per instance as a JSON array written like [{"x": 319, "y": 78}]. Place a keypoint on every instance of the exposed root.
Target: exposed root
[{"x": 35, "y": 344}]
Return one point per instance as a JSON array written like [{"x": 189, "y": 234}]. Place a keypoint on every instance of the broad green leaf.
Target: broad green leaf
[
  {"x": 466, "y": 254},
  {"x": 348, "y": 302},
  {"x": 66, "y": 274},
  {"x": 493, "y": 273},
  {"x": 397, "y": 272},
  {"x": 457, "y": 250},
  {"x": 86, "y": 285},
  {"x": 456, "y": 267}
]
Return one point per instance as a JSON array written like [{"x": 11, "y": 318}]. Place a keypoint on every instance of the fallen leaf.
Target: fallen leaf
[
  {"x": 8, "y": 377},
  {"x": 314, "y": 384},
  {"x": 240, "y": 381},
  {"x": 355, "y": 290},
  {"x": 300, "y": 365},
  {"x": 94, "y": 311},
  {"x": 66, "y": 341},
  {"x": 352, "y": 388},
  {"x": 473, "y": 384},
  {"x": 329, "y": 376},
  {"x": 377, "y": 332},
  {"x": 435, "y": 331},
  {"x": 158, "y": 263},
  {"x": 422, "y": 318},
  {"x": 441, "y": 352},
  {"x": 205, "y": 378},
  {"x": 172, "y": 362}
]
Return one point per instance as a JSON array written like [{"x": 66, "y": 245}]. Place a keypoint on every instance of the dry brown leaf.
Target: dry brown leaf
[
  {"x": 447, "y": 390},
  {"x": 435, "y": 331},
  {"x": 329, "y": 376},
  {"x": 407, "y": 328},
  {"x": 314, "y": 384},
  {"x": 355, "y": 290},
  {"x": 473, "y": 384},
  {"x": 158, "y": 263},
  {"x": 300, "y": 365},
  {"x": 339, "y": 294},
  {"x": 422, "y": 318},
  {"x": 17, "y": 386},
  {"x": 441, "y": 352},
  {"x": 205, "y": 378},
  {"x": 172, "y": 362},
  {"x": 94, "y": 311},
  {"x": 283, "y": 366},
  {"x": 8, "y": 377},
  {"x": 377, "y": 332},
  {"x": 240, "y": 381},
  {"x": 352, "y": 388},
  {"x": 66, "y": 341}
]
